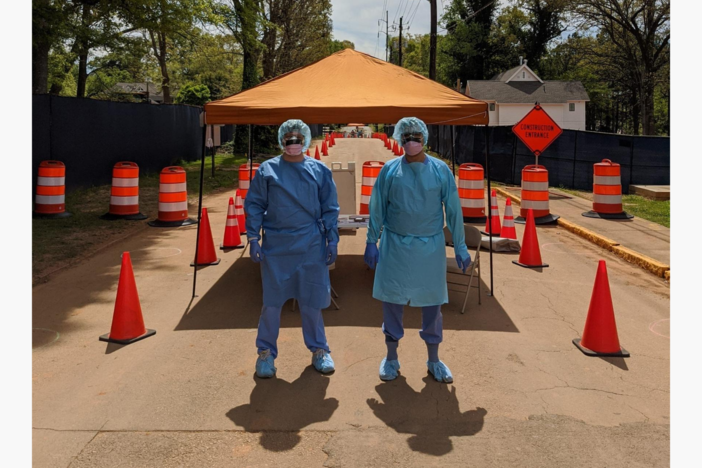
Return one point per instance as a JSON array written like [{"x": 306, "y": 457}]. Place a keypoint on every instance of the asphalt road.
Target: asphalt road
[{"x": 523, "y": 394}]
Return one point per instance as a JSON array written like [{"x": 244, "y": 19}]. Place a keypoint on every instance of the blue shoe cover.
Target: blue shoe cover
[
  {"x": 388, "y": 369},
  {"x": 264, "y": 365},
  {"x": 440, "y": 371},
  {"x": 322, "y": 361}
]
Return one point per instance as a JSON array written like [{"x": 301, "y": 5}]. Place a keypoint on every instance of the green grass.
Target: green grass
[
  {"x": 65, "y": 241},
  {"x": 656, "y": 211}
]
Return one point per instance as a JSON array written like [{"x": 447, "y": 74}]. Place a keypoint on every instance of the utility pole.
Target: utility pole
[
  {"x": 399, "y": 56},
  {"x": 432, "y": 42},
  {"x": 387, "y": 38}
]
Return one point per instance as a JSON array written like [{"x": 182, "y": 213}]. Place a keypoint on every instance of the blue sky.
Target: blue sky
[{"x": 357, "y": 20}]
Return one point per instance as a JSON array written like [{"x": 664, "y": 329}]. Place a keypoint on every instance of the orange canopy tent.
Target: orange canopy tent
[{"x": 348, "y": 86}]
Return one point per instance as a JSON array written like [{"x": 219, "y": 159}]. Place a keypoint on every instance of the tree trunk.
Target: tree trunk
[
  {"x": 648, "y": 122},
  {"x": 83, "y": 48},
  {"x": 635, "y": 112},
  {"x": 432, "y": 42},
  {"x": 82, "y": 74},
  {"x": 40, "y": 49},
  {"x": 40, "y": 68},
  {"x": 166, "y": 81}
]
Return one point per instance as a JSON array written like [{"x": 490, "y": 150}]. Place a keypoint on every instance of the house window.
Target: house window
[
  {"x": 571, "y": 106},
  {"x": 492, "y": 107},
  {"x": 523, "y": 74}
]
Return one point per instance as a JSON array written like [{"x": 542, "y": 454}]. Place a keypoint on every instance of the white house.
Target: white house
[{"x": 512, "y": 94}]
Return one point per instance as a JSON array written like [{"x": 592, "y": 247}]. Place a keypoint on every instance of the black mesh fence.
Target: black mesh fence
[
  {"x": 569, "y": 159},
  {"x": 90, "y": 136}
]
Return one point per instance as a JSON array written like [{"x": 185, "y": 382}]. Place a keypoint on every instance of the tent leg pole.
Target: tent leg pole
[
  {"x": 453, "y": 151},
  {"x": 487, "y": 168},
  {"x": 199, "y": 205},
  {"x": 250, "y": 153}
]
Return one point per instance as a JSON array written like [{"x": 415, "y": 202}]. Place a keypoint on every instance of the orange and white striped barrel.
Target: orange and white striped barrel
[
  {"x": 534, "y": 191},
  {"x": 244, "y": 182},
  {"x": 172, "y": 198},
  {"x": 124, "y": 197},
  {"x": 50, "y": 200},
  {"x": 370, "y": 172},
  {"x": 607, "y": 188},
  {"x": 471, "y": 191}
]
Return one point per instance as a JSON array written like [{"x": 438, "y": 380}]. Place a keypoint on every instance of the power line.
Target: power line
[
  {"x": 413, "y": 15},
  {"x": 397, "y": 11}
]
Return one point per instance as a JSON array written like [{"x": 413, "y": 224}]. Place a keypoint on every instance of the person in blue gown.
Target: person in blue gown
[
  {"x": 292, "y": 199},
  {"x": 408, "y": 202}
]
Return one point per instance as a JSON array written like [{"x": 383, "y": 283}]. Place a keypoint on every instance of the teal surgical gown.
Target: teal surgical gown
[
  {"x": 408, "y": 202},
  {"x": 296, "y": 204}
]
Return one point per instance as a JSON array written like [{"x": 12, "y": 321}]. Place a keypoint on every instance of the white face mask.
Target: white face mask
[
  {"x": 412, "y": 148},
  {"x": 293, "y": 150}
]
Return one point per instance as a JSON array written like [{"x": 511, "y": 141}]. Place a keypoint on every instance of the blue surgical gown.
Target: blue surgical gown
[
  {"x": 297, "y": 207},
  {"x": 408, "y": 202}
]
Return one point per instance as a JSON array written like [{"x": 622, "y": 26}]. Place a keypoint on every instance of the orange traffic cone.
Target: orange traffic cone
[
  {"x": 239, "y": 210},
  {"x": 232, "y": 237},
  {"x": 127, "y": 321},
  {"x": 400, "y": 151},
  {"x": 508, "y": 231},
  {"x": 206, "y": 254},
  {"x": 495, "y": 228},
  {"x": 316, "y": 153},
  {"x": 600, "y": 335},
  {"x": 530, "y": 255},
  {"x": 394, "y": 148},
  {"x": 325, "y": 151},
  {"x": 333, "y": 140},
  {"x": 308, "y": 152}
]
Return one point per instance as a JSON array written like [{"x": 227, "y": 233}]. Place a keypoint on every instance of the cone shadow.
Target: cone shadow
[
  {"x": 616, "y": 361},
  {"x": 434, "y": 417},
  {"x": 113, "y": 347}
]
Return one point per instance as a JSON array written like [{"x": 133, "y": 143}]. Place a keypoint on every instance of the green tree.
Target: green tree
[
  {"x": 193, "y": 94},
  {"x": 638, "y": 32},
  {"x": 163, "y": 22},
  {"x": 465, "y": 50}
]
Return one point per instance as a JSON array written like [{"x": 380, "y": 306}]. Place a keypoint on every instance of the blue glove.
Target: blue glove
[
  {"x": 371, "y": 256},
  {"x": 330, "y": 254},
  {"x": 463, "y": 264},
  {"x": 256, "y": 252}
]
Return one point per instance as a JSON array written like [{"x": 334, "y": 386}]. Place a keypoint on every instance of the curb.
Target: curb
[{"x": 647, "y": 263}]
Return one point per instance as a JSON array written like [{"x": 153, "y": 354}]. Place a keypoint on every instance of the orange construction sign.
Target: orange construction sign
[{"x": 537, "y": 130}]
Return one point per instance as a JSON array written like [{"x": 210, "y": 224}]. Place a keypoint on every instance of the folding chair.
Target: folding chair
[{"x": 473, "y": 238}]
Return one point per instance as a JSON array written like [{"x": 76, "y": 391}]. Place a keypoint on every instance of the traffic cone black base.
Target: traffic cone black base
[
  {"x": 65, "y": 214},
  {"x": 529, "y": 266},
  {"x": 185, "y": 222},
  {"x": 106, "y": 337},
  {"x": 222, "y": 247},
  {"x": 476, "y": 220},
  {"x": 131, "y": 217},
  {"x": 216, "y": 262},
  {"x": 548, "y": 219},
  {"x": 588, "y": 352},
  {"x": 595, "y": 214}
]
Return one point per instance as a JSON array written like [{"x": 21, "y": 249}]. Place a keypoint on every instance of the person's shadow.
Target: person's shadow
[
  {"x": 279, "y": 409},
  {"x": 432, "y": 415}
]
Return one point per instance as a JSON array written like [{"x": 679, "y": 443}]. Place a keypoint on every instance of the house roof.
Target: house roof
[
  {"x": 506, "y": 75},
  {"x": 137, "y": 88},
  {"x": 519, "y": 92},
  {"x": 348, "y": 86}
]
